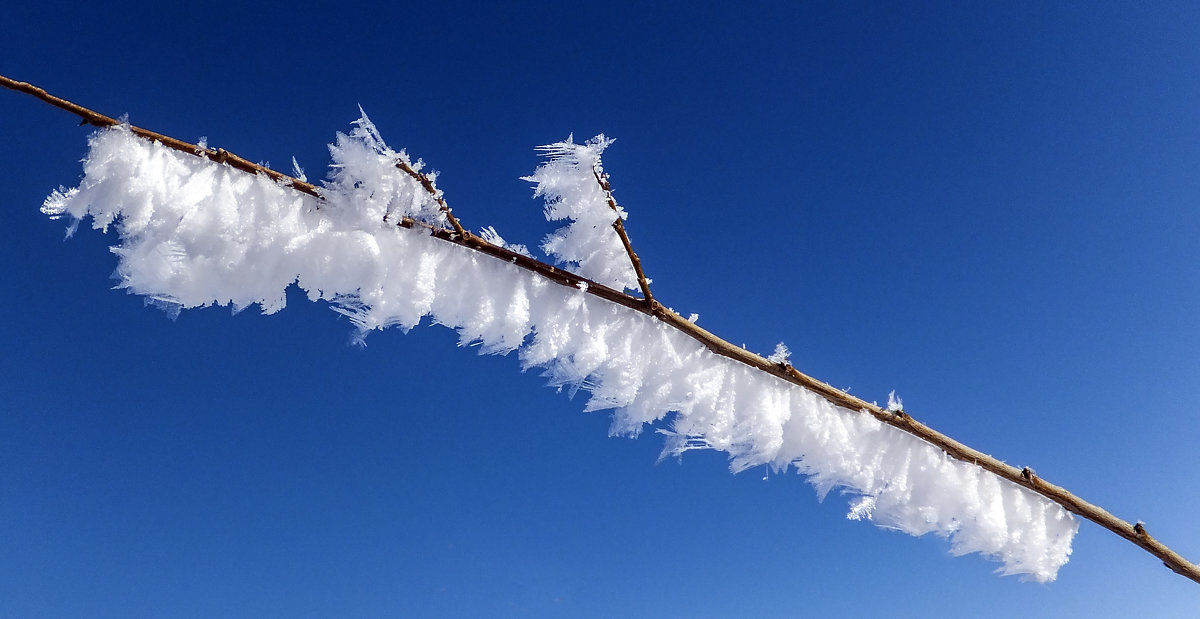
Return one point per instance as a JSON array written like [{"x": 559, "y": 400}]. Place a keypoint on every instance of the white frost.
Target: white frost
[
  {"x": 569, "y": 181},
  {"x": 490, "y": 235},
  {"x": 196, "y": 233}
]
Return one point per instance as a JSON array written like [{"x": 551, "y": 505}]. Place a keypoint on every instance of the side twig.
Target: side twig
[
  {"x": 1134, "y": 533},
  {"x": 619, "y": 226},
  {"x": 437, "y": 196}
]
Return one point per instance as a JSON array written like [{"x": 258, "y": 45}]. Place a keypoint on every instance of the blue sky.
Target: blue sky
[{"x": 991, "y": 210}]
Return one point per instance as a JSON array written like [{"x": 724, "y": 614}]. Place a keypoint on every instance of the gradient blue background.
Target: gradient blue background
[{"x": 990, "y": 209}]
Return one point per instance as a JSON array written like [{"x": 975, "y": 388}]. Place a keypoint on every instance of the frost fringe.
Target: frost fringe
[{"x": 892, "y": 415}]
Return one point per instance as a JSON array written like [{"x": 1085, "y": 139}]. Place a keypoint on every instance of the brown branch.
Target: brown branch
[
  {"x": 1134, "y": 533},
  {"x": 619, "y": 226}
]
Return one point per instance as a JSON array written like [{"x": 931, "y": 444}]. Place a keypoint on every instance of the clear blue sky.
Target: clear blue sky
[{"x": 990, "y": 209}]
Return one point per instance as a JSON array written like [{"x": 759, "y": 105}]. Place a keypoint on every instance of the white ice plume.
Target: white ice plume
[
  {"x": 570, "y": 183},
  {"x": 364, "y": 177}
]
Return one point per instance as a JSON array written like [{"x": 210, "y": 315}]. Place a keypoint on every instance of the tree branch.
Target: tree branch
[{"x": 1134, "y": 533}]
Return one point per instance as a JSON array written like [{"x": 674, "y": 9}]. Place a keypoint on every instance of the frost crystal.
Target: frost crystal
[
  {"x": 196, "y": 233},
  {"x": 490, "y": 235},
  {"x": 298, "y": 172}
]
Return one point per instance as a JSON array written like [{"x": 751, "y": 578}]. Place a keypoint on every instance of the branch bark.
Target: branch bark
[{"x": 1134, "y": 533}]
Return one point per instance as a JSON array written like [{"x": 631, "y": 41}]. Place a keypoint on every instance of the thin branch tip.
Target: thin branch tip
[{"x": 619, "y": 226}]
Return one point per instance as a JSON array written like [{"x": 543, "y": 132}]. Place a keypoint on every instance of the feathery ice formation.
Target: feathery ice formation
[
  {"x": 195, "y": 233},
  {"x": 569, "y": 181}
]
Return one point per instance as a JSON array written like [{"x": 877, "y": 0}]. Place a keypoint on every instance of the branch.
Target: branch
[{"x": 1134, "y": 533}]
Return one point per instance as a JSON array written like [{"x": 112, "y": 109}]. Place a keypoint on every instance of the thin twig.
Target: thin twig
[
  {"x": 437, "y": 196},
  {"x": 219, "y": 155},
  {"x": 1134, "y": 533},
  {"x": 619, "y": 226}
]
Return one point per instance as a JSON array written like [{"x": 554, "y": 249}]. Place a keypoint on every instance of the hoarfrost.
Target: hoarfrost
[
  {"x": 569, "y": 182},
  {"x": 490, "y": 235}
]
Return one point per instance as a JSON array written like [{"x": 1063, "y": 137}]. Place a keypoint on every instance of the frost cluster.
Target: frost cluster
[
  {"x": 195, "y": 233},
  {"x": 569, "y": 182},
  {"x": 363, "y": 177}
]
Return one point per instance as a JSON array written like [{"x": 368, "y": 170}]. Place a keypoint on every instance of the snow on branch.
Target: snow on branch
[
  {"x": 568, "y": 182},
  {"x": 363, "y": 177},
  {"x": 197, "y": 231}
]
